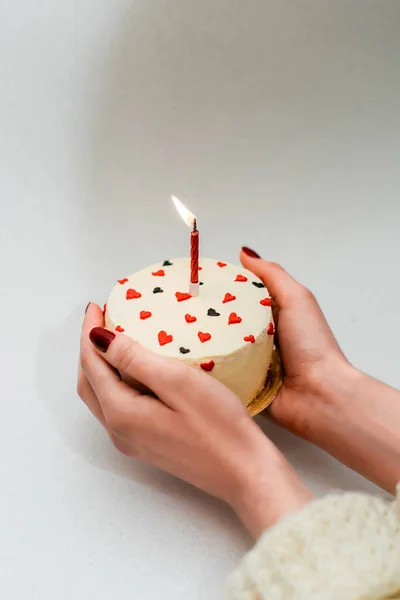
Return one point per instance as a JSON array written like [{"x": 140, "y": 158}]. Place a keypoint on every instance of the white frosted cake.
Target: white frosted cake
[{"x": 227, "y": 330}]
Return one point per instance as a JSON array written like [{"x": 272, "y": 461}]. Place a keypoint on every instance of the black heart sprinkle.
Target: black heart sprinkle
[
  {"x": 157, "y": 290},
  {"x": 166, "y": 263},
  {"x": 258, "y": 284},
  {"x": 213, "y": 313},
  {"x": 201, "y": 283},
  {"x": 183, "y": 350}
]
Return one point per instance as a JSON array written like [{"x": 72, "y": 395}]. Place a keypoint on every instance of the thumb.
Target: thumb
[
  {"x": 136, "y": 364},
  {"x": 284, "y": 289}
]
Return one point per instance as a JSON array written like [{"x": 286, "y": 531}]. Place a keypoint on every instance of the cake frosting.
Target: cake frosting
[{"x": 227, "y": 330}]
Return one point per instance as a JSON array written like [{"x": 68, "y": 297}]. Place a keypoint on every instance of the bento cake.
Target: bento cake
[{"x": 227, "y": 330}]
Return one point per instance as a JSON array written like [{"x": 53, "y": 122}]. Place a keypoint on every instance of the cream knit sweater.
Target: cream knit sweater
[{"x": 343, "y": 547}]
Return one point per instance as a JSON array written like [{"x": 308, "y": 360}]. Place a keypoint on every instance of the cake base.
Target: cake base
[{"x": 271, "y": 388}]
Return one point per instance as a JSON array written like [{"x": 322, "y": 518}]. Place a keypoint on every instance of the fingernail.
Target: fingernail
[
  {"x": 86, "y": 309},
  {"x": 101, "y": 338},
  {"x": 250, "y": 252}
]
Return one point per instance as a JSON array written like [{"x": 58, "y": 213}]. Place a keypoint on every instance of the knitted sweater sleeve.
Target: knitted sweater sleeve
[{"x": 343, "y": 547}]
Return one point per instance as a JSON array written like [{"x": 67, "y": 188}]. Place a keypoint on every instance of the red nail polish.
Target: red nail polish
[
  {"x": 86, "y": 309},
  {"x": 101, "y": 338},
  {"x": 250, "y": 252}
]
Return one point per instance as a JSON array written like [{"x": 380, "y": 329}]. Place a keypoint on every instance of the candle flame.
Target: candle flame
[{"x": 184, "y": 213}]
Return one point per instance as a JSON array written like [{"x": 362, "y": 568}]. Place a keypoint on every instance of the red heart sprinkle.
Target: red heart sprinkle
[
  {"x": 266, "y": 301},
  {"x": 208, "y": 366},
  {"x": 271, "y": 329},
  {"x": 234, "y": 318},
  {"x": 122, "y": 281},
  {"x": 221, "y": 264},
  {"x": 164, "y": 338},
  {"x": 241, "y": 278},
  {"x": 180, "y": 296},
  {"x": 120, "y": 329},
  {"x": 204, "y": 337},
  {"x": 250, "y": 338},
  {"x": 228, "y": 298},
  {"x": 200, "y": 268},
  {"x": 159, "y": 273},
  {"x": 145, "y": 314},
  {"x": 132, "y": 294},
  {"x": 104, "y": 310},
  {"x": 190, "y": 319}
]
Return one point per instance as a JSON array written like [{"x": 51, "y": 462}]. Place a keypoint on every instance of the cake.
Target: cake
[{"x": 227, "y": 330}]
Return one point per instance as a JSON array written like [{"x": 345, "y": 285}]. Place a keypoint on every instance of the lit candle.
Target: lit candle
[{"x": 191, "y": 222}]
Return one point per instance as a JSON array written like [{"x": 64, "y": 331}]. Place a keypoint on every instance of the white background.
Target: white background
[{"x": 280, "y": 123}]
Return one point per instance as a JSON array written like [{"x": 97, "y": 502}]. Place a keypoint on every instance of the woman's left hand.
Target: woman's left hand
[{"x": 195, "y": 428}]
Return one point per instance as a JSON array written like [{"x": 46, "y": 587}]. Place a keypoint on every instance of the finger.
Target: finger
[
  {"x": 284, "y": 289},
  {"x": 98, "y": 372},
  {"x": 160, "y": 374},
  {"x": 106, "y": 383},
  {"x": 93, "y": 318},
  {"x": 275, "y": 312},
  {"x": 88, "y": 396}
]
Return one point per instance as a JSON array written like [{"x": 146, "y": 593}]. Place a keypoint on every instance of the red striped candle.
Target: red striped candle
[{"x": 194, "y": 255}]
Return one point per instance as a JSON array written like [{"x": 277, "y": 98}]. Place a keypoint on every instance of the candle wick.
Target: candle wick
[{"x": 194, "y": 224}]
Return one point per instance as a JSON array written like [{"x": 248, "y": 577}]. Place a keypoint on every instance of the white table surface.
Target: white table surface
[{"x": 280, "y": 123}]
